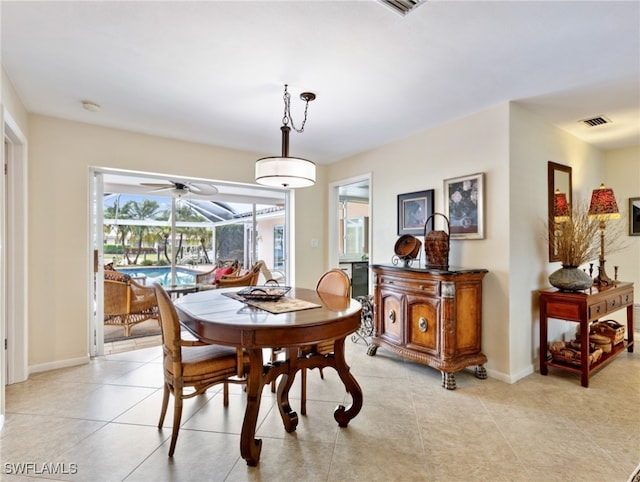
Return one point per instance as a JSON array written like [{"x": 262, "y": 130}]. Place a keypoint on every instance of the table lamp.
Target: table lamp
[{"x": 603, "y": 207}]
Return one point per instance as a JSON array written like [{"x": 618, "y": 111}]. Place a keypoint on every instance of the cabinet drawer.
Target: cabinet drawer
[
  {"x": 598, "y": 309},
  {"x": 430, "y": 288},
  {"x": 627, "y": 298},
  {"x": 614, "y": 302}
]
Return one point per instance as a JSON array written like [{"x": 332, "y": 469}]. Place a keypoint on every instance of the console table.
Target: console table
[
  {"x": 430, "y": 316},
  {"x": 584, "y": 307}
]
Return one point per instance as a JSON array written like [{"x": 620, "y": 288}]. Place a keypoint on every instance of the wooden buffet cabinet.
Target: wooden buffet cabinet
[
  {"x": 430, "y": 316},
  {"x": 584, "y": 307}
]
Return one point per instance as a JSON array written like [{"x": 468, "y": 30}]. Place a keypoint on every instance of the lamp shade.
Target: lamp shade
[
  {"x": 288, "y": 172},
  {"x": 560, "y": 207},
  {"x": 603, "y": 204}
]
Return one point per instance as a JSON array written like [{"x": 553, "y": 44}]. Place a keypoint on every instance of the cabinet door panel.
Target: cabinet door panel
[
  {"x": 468, "y": 314},
  {"x": 422, "y": 324},
  {"x": 391, "y": 316}
]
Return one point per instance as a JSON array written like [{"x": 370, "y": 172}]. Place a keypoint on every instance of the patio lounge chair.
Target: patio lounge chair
[
  {"x": 207, "y": 280},
  {"x": 127, "y": 302}
]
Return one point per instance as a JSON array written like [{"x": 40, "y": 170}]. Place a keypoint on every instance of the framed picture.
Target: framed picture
[
  {"x": 414, "y": 209},
  {"x": 464, "y": 206},
  {"x": 634, "y": 216}
]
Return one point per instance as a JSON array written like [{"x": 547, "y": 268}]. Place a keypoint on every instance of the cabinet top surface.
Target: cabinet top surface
[
  {"x": 422, "y": 269},
  {"x": 594, "y": 290}
]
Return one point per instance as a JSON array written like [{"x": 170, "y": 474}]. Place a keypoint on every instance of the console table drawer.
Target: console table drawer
[
  {"x": 597, "y": 310},
  {"x": 613, "y": 303}
]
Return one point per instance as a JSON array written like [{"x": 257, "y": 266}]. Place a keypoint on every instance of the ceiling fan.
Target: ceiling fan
[{"x": 180, "y": 189}]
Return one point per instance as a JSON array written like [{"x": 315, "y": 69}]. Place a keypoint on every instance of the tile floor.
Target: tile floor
[{"x": 102, "y": 418}]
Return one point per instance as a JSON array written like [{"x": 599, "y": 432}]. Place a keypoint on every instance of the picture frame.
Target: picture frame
[
  {"x": 414, "y": 208},
  {"x": 464, "y": 206},
  {"x": 634, "y": 216}
]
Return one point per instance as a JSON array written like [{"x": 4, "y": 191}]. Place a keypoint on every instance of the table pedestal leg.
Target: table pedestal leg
[
  {"x": 250, "y": 446},
  {"x": 289, "y": 417},
  {"x": 344, "y": 415}
]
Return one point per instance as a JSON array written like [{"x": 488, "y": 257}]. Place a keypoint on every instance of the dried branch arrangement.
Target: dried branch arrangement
[{"x": 577, "y": 240}]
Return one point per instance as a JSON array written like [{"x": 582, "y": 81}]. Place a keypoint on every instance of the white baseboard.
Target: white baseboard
[
  {"x": 503, "y": 377},
  {"x": 71, "y": 362}
]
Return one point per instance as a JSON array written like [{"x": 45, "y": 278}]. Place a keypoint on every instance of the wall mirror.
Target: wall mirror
[{"x": 559, "y": 180}]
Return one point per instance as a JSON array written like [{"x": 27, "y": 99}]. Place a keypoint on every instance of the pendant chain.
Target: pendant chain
[{"x": 287, "y": 112}]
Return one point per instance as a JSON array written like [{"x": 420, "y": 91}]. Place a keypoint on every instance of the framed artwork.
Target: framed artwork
[
  {"x": 634, "y": 216},
  {"x": 414, "y": 209},
  {"x": 464, "y": 206}
]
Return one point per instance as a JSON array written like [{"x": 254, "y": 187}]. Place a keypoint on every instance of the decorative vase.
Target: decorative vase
[{"x": 570, "y": 278}]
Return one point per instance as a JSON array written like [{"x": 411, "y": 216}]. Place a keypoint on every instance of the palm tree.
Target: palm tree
[
  {"x": 205, "y": 235},
  {"x": 148, "y": 209},
  {"x": 191, "y": 235},
  {"x": 122, "y": 231}
]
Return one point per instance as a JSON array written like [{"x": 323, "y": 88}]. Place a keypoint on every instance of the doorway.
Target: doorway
[
  {"x": 183, "y": 228},
  {"x": 13, "y": 256},
  {"x": 350, "y": 228}
]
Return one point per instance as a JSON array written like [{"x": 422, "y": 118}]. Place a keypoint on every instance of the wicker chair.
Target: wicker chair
[
  {"x": 248, "y": 279},
  {"x": 192, "y": 364},
  {"x": 207, "y": 279},
  {"x": 127, "y": 303}
]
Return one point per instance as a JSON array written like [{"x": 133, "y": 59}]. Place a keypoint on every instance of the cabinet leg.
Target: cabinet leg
[
  {"x": 371, "y": 351},
  {"x": 448, "y": 381},
  {"x": 481, "y": 372}
]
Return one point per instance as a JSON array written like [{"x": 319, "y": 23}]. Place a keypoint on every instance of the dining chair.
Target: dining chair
[
  {"x": 192, "y": 364},
  {"x": 333, "y": 282}
]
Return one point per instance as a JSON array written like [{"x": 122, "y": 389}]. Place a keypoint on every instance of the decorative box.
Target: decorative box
[
  {"x": 609, "y": 328},
  {"x": 567, "y": 353}
]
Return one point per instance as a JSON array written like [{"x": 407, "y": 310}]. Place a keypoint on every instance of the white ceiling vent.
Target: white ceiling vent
[
  {"x": 595, "y": 121},
  {"x": 402, "y": 7}
]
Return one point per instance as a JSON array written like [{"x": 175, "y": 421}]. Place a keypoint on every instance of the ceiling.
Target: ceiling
[{"x": 214, "y": 72}]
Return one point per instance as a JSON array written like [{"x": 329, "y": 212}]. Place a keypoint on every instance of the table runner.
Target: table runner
[{"x": 282, "y": 305}]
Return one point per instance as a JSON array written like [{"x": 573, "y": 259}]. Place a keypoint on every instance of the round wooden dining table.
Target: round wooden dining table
[{"x": 216, "y": 317}]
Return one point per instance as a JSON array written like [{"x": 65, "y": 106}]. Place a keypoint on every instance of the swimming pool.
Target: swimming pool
[{"x": 161, "y": 274}]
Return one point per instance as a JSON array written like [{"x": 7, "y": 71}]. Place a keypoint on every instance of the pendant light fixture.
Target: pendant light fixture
[{"x": 286, "y": 171}]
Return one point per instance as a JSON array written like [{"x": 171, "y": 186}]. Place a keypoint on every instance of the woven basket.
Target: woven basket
[
  {"x": 436, "y": 244},
  {"x": 567, "y": 353},
  {"x": 601, "y": 341},
  {"x": 407, "y": 246},
  {"x": 609, "y": 328}
]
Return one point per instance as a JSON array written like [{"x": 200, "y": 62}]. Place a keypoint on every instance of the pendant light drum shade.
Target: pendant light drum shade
[{"x": 288, "y": 172}]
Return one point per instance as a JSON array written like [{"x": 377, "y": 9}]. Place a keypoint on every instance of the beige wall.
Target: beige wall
[
  {"x": 533, "y": 143},
  {"x": 60, "y": 156},
  {"x": 622, "y": 173},
  {"x": 477, "y": 143},
  {"x": 512, "y": 147}
]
